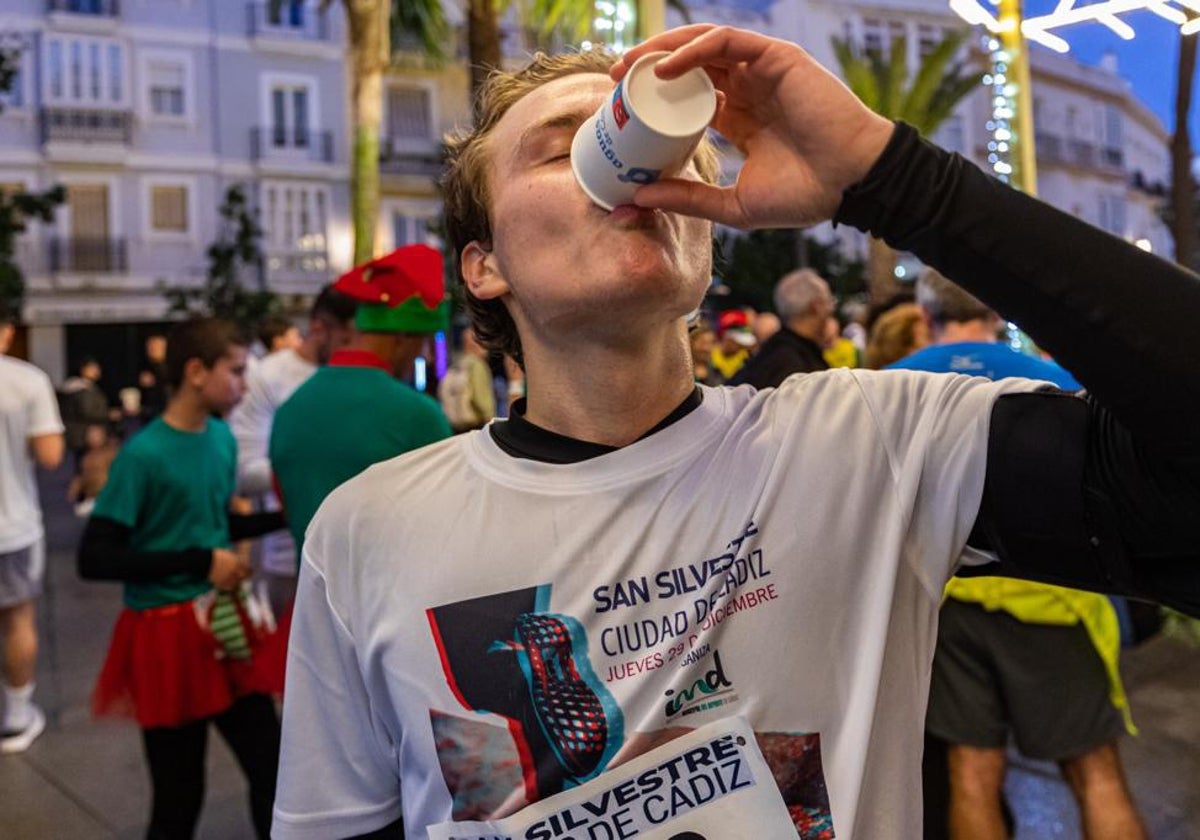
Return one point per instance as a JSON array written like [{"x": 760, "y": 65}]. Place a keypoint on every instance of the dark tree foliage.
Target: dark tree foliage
[
  {"x": 235, "y": 254},
  {"x": 751, "y": 264}
]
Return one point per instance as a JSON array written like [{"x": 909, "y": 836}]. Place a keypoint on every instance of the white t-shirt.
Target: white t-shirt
[
  {"x": 269, "y": 382},
  {"x": 28, "y": 409},
  {"x": 475, "y": 631}
]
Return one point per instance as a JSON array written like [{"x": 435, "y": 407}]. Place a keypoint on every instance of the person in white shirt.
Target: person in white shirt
[
  {"x": 31, "y": 435},
  {"x": 494, "y": 626},
  {"x": 268, "y": 385}
]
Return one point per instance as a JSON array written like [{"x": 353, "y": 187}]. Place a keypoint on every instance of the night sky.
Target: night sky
[{"x": 1148, "y": 61}]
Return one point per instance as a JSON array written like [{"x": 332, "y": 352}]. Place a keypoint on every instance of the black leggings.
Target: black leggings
[{"x": 176, "y": 757}]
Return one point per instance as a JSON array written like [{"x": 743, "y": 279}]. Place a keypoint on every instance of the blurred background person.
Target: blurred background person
[
  {"x": 466, "y": 391},
  {"x": 804, "y": 304},
  {"x": 31, "y": 435},
  {"x": 83, "y": 404},
  {"x": 152, "y": 379},
  {"x": 734, "y": 341},
  {"x": 765, "y": 325},
  {"x": 838, "y": 350},
  {"x": 268, "y": 385},
  {"x": 703, "y": 339},
  {"x": 897, "y": 333},
  {"x": 100, "y": 450}
]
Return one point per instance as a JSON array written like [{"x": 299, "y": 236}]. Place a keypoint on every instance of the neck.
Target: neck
[
  {"x": 605, "y": 393},
  {"x": 958, "y": 332},
  {"x": 186, "y": 412},
  {"x": 811, "y": 328}
]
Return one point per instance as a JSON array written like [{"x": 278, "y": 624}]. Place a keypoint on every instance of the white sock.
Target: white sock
[{"x": 18, "y": 706}]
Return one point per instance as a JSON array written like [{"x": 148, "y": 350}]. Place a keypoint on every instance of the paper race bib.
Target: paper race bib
[{"x": 711, "y": 784}]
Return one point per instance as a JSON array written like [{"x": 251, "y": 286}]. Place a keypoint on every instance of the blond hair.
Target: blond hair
[{"x": 466, "y": 193}]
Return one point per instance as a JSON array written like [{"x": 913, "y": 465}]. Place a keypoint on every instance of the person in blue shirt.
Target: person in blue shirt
[{"x": 1015, "y": 658}]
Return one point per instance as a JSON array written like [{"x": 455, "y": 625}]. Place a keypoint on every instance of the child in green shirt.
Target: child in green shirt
[{"x": 189, "y": 648}]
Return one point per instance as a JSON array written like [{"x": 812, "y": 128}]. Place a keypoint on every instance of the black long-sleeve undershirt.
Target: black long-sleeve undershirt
[
  {"x": 1096, "y": 491},
  {"x": 105, "y": 551}
]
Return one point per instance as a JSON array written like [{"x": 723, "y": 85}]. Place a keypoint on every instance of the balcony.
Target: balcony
[
  {"x": 289, "y": 20},
  {"x": 86, "y": 125},
  {"x": 94, "y": 8},
  {"x": 1141, "y": 183},
  {"x": 396, "y": 159},
  {"x": 87, "y": 255},
  {"x": 299, "y": 271},
  {"x": 291, "y": 143}
]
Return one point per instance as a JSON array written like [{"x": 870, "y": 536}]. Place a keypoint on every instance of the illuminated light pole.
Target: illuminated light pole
[{"x": 1011, "y": 151}]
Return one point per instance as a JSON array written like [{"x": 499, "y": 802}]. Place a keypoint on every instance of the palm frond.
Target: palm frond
[
  {"x": 421, "y": 22},
  {"x": 935, "y": 67},
  {"x": 858, "y": 73},
  {"x": 954, "y": 87}
]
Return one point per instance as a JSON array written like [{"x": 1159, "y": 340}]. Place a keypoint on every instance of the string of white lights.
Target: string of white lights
[{"x": 1042, "y": 28}]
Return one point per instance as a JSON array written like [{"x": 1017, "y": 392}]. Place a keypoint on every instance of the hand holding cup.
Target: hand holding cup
[{"x": 806, "y": 137}]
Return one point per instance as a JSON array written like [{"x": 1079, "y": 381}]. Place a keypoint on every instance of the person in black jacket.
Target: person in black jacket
[{"x": 804, "y": 304}]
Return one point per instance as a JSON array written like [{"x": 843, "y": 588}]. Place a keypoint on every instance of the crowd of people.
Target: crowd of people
[{"x": 684, "y": 517}]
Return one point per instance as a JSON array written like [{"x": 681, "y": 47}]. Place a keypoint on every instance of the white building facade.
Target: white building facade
[{"x": 148, "y": 112}]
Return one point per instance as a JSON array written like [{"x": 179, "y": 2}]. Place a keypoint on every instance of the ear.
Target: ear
[
  {"x": 194, "y": 373},
  {"x": 481, "y": 271}
]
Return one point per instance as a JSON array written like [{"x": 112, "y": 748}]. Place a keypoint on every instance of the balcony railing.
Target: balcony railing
[
  {"x": 291, "y": 20},
  {"x": 1112, "y": 157},
  {"x": 394, "y": 159},
  {"x": 86, "y": 125},
  {"x": 291, "y": 142},
  {"x": 99, "y": 8},
  {"x": 88, "y": 255}
]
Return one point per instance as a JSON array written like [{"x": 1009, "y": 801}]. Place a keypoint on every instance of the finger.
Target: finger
[
  {"x": 691, "y": 198},
  {"x": 668, "y": 41},
  {"x": 722, "y": 46}
]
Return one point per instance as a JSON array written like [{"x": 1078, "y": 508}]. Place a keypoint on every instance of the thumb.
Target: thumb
[{"x": 691, "y": 198}]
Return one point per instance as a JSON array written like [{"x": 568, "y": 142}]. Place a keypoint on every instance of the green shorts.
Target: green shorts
[{"x": 995, "y": 676}]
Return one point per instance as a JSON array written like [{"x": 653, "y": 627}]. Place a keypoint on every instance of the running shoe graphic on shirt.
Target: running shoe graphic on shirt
[
  {"x": 508, "y": 654},
  {"x": 569, "y": 711}
]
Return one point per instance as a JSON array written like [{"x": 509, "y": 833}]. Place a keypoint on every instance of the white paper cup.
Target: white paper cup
[{"x": 646, "y": 130}]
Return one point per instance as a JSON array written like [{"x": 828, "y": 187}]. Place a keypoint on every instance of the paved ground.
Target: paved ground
[{"x": 85, "y": 779}]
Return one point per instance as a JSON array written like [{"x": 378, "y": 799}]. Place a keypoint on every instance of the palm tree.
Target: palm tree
[
  {"x": 924, "y": 101},
  {"x": 1183, "y": 185}
]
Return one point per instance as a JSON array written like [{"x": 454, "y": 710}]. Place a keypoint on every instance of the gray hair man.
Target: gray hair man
[{"x": 804, "y": 304}]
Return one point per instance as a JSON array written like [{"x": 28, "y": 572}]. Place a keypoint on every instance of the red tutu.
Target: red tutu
[{"x": 165, "y": 669}]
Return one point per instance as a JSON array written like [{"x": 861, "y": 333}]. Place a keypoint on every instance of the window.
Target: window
[
  {"x": 169, "y": 209},
  {"x": 295, "y": 217},
  {"x": 1112, "y": 214},
  {"x": 873, "y": 35},
  {"x": 55, "y": 61},
  {"x": 879, "y": 36},
  {"x": 84, "y": 71},
  {"x": 290, "y": 126},
  {"x": 286, "y": 13},
  {"x": 409, "y": 118},
  {"x": 166, "y": 88},
  {"x": 928, "y": 38}
]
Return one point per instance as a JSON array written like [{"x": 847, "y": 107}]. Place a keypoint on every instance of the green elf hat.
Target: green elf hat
[{"x": 401, "y": 292}]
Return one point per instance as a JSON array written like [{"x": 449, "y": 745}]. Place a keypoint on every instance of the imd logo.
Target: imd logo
[{"x": 708, "y": 692}]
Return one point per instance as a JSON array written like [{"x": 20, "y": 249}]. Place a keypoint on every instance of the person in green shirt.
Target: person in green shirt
[
  {"x": 354, "y": 412},
  {"x": 189, "y": 648}
]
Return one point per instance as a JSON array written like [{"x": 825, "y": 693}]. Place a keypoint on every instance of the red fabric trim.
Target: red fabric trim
[{"x": 358, "y": 358}]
